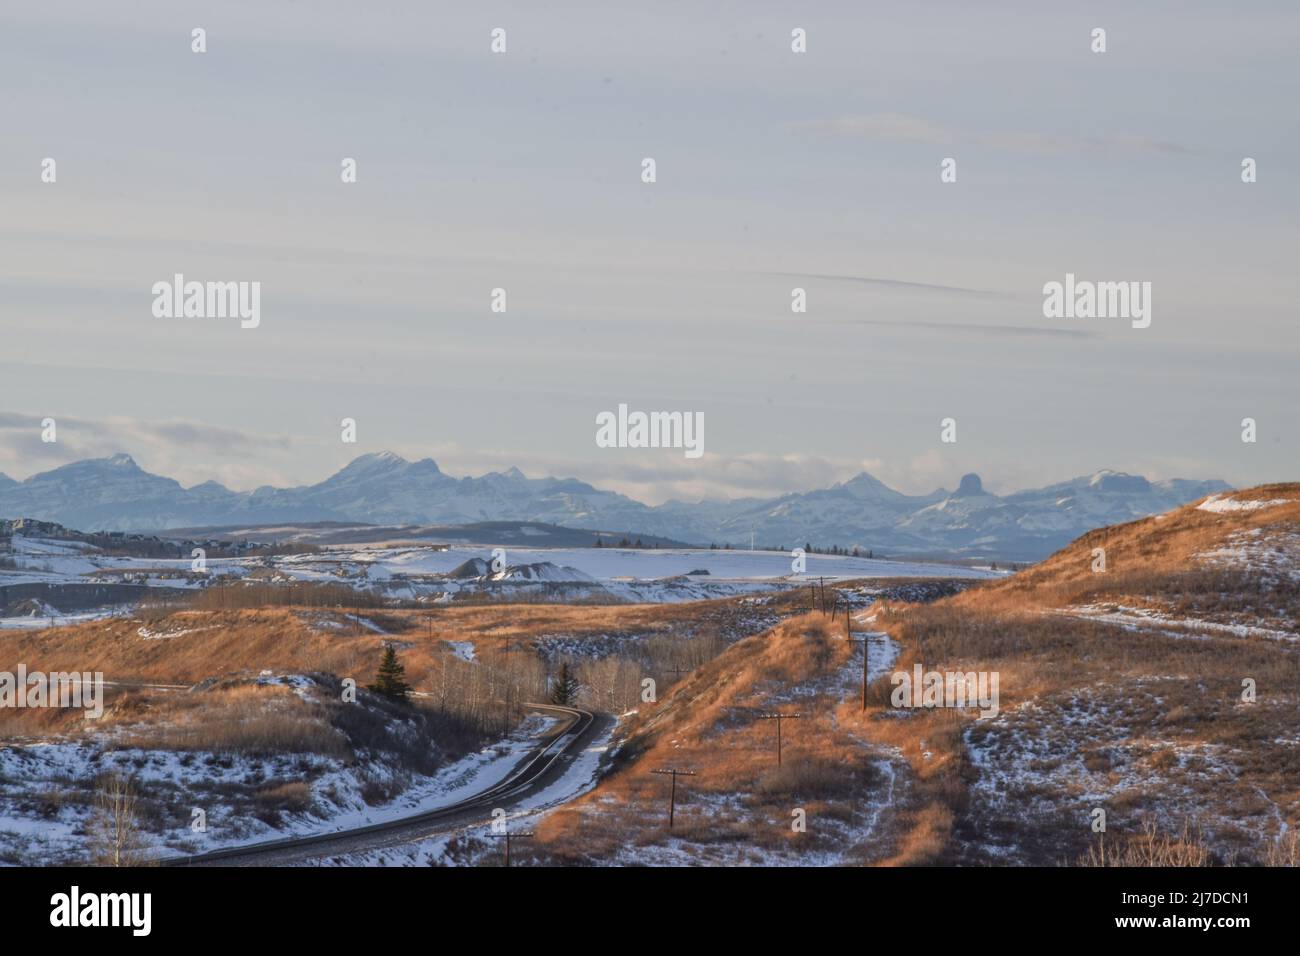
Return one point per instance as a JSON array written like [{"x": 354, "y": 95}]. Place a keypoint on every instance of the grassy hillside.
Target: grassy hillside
[
  {"x": 1124, "y": 688},
  {"x": 741, "y": 807}
]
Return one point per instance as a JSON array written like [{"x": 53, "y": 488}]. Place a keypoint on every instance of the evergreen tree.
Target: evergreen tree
[
  {"x": 391, "y": 679},
  {"x": 564, "y": 689}
]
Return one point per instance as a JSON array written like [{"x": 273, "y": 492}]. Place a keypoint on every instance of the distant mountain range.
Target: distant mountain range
[{"x": 383, "y": 488}]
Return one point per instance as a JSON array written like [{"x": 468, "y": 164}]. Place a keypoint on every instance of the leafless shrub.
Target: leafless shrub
[
  {"x": 1151, "y": 848},
  {"x": 115, "y": 837},
  {"x": 1284, "y": 851}
]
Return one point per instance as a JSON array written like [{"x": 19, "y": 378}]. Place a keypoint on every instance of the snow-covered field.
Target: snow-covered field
[
  {"x": 637, "y": 564},
  {"x": 51, "y": 617},
  {"x": 439, "y": 574},
  {"x": 44, "y": 820}
]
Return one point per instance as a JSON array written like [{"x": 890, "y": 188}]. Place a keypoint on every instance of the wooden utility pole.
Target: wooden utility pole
[
  {"x": 778, "y": 718},
  {"x": 507, "y": 836},
  {"x": 672, "y": 793}
]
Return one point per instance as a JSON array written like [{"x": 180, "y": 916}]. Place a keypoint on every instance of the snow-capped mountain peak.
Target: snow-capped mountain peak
[
  {"x": 1118, "y": 481},
  {"x": 384, "y": 488}
]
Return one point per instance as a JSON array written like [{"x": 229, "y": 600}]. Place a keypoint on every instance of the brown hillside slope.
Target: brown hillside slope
[
  {"x": 475, "y": 663},
  {"x": 185, "y": 646},
  {"x": 1231, "y": 557},
  {"x": 1163, "y": 690},
  {"x": 741, "y": 807}
]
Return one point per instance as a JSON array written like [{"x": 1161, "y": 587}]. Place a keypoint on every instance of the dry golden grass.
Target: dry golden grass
[
  {"x": 1171, "y": 707},
  {"x": 212, "y": 643},
  {"x": 739, "y": 807},
  {"x": 190, "y": 646},
  {"x": 246, "y": 718},
  {"x": 1171, "y": 719},
  {"x": 1167, "y": 699},
  {"x": 1144, "y": 556},
  {"x": 216, "y": 643},
  {"x": 1172, "y": 702},
  {"x": 1172, "y": 690}
]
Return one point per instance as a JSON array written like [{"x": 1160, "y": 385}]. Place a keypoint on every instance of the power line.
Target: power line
[
  {"x": 507, "y": 836},
  {"x": 672, "y": 793},
  {"x": 778, "y": 718}
]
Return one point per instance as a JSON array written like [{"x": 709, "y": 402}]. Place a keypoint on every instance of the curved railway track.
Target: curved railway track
[{"x": 532, "y": 774}]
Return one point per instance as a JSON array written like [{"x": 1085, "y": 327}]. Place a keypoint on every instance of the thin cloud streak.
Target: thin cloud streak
[
  {"x": 900, "y": 127},
  {"x": 977, "y": 329},
  {"x": 891, "y": 283}
]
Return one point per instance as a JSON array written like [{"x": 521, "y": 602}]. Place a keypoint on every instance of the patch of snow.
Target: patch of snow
[
  {"x": 1144, "y": 618},
  {"x": 1218, "y": 504},
  {"x": 462, "y": 649},
  {"x": 149, "y": 634}
]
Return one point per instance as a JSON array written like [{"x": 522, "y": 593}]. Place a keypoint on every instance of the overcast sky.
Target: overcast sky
[{"x": 775, "y": 170}]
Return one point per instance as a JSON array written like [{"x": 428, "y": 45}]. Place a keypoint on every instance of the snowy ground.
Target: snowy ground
[
  {"x": 52, "y": 618},
  {"x": 1134, "y": 618},
  {"x": 839, "y": 839},
  {"x": 1270, "y": 552},
  {"x": 475, "y": 844},
  {"x": 628, "y": 574},
  {"x": 635, "y": 564},
  {"x": 43, "y": 819},
  {"x": 828, "y": 841},
  {"x": 1225, "y": 504},
  {"x": 1044, "y": 766},
  {"x": 423, "y": 573}
]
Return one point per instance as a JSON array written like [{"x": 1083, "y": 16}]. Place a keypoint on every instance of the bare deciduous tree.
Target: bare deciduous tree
[{"x": 115, "y": 837}]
